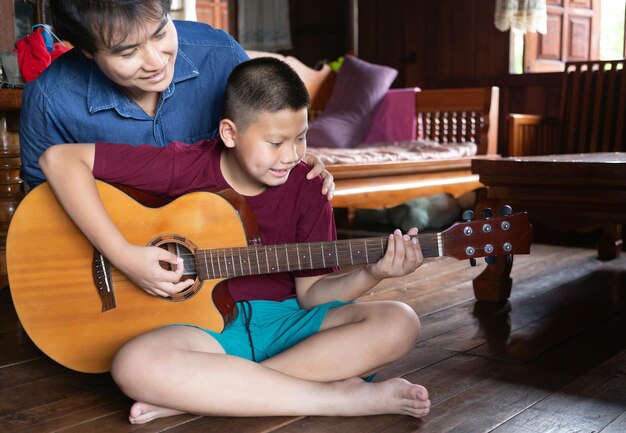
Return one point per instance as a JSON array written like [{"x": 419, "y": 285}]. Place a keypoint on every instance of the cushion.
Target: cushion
[
  {"x": 394, "y": 119},
  {"x": 397, "y": 151},
  {"x": 346, "y": 119}
]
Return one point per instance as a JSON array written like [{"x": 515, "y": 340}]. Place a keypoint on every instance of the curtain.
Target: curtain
[
  {"x": 190, "y": 10},
  {"x": 521, "y": 15},
  {"x": 264, "y": 25}
]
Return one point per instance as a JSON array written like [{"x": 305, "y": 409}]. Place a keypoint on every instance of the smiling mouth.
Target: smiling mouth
[
  {"x": 281, "y": 172},
  {"x": 158, "y": 76}
]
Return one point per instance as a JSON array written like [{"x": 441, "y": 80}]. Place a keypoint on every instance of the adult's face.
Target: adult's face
[{"x": 143, "y": 63}]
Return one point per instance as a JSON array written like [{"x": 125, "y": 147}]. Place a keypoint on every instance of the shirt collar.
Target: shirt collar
[{"x": 102, "y": 94}]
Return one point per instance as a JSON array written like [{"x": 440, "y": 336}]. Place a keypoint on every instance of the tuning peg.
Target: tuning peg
[
  {"x": 468, "y": 215},
  {"x": 490, "y": 260},
  {"x": 506, "y": 210},
  {"x": 487, "y": 213},
  {"x": 472, "y": 261}
]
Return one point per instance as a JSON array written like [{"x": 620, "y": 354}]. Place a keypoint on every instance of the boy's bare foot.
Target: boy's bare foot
[
  {"x": 141, "y": 413},
  {"x": 393, "y": 396}
]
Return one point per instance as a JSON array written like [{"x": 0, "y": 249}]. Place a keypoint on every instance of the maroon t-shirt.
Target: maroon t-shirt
[{"x": 293, "y": 212}]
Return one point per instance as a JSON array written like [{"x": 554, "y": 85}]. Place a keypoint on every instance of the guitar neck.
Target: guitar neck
[{"x": 269, "y": 259}]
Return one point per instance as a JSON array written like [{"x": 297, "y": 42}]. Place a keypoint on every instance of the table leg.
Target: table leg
[
  {"x": 610, "y": 244},
  {"x": 494, "y": 283}
]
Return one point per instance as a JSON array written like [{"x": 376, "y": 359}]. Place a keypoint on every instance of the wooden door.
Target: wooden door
[
  {"x": 215, "y": 13},
  {"x": 573, "y": 35}
]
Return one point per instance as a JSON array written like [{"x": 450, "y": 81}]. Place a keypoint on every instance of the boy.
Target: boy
[
  {"x": 134, "y": 76},
  {"x": 299, "y": 345}
]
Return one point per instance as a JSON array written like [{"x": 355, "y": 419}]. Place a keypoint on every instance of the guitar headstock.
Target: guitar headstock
[{"x": 489, "y": 237}]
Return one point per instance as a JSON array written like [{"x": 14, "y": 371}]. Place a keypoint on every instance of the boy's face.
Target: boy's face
[
  {"x": 143, "y": 63},
  {"x": 267, "y": 150}
]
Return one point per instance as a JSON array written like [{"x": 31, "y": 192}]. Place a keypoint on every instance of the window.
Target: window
[
  {"x": 612, "y": 23},
  {"x": 577, "y": 30}
]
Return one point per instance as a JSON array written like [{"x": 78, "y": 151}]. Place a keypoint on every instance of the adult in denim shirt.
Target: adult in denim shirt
[{"x": 135, "y": 76}]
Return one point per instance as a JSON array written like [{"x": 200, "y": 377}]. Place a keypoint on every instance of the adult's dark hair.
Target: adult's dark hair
[
  {"x": 86, "y": 24},
  {"x": 262, "y": 84}
]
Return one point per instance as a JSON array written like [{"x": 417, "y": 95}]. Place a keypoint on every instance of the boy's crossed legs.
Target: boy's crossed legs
[{"x": 183, "y": 369}]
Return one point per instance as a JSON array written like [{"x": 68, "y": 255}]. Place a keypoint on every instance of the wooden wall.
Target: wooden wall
[
  {"x": 433, "y": 44},
  {"x": 320, "y": 29},
  {"x": 7, "y": 34}
]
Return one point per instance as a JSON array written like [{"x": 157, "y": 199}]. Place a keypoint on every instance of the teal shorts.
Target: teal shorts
[{"x": 273, "y": 327}]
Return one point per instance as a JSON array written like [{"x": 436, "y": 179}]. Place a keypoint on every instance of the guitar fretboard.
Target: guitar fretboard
[{"x": 269, "y": 259}]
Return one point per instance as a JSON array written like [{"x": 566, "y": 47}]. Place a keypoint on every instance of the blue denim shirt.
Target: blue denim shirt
[{"x": 74, "y": 102}]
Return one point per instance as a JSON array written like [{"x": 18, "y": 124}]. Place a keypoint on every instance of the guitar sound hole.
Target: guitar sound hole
[{"x": 174, "y": 246}]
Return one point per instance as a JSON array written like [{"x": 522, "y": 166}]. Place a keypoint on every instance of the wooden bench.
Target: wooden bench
[{"x": 447, "y": 115}]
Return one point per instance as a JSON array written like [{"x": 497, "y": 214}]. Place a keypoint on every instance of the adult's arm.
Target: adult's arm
[
  {"x": 40, "y": 128},
  {"x": 69, "y": 168}
]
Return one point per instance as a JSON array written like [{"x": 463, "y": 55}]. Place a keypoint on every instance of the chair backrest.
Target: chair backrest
[
  {"x": 593, "y": 107},
  {"x": 460, "y": 115}
]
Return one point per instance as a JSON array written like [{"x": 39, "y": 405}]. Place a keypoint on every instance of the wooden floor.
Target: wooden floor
[{"x": 550, "y": 360}]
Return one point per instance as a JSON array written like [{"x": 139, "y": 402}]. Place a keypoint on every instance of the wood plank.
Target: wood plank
[
  {"x": 22, "y": 349},
  {"x": 517, "y": 387},
  {"x": 49, "y": 389},
  {"x": 415, "y": 360},
  {"x": 117, "y": 422},
  {"x": 618, "y": 425},
  {"x": 443, "y": 379},
  {"x": 433, "y": 294},
  {"x": 224, "y": 424},
  {"x": 77, "y": 409},
  {"x": 530, "y": 325},
  {"x": 8, "y": 317},
  {"x": 581, "y": 405},
  {"x": 31, "y": 371}
]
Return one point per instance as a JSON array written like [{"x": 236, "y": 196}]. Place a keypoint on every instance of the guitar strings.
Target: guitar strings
[
  {"x": 258, "y": 259},
  {"x": 315, "y": 247}
]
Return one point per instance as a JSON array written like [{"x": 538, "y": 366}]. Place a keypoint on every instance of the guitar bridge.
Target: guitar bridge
[{"x": 102, "y": 279}]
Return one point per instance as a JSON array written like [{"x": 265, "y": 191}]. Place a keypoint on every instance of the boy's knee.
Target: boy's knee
[
  {"x": 402, "y": 326},
  {"x": 129, "y": 365},
  {"x": 407, "y": 322},
  {"x": 121, "y": 365}
]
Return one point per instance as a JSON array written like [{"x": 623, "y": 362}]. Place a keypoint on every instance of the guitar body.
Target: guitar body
[{"x": 50, "y": 267}]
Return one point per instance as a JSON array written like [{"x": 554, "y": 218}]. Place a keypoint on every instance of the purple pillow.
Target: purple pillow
[
  {"x": 346, "y": 119},
  {"x": 395, "y": 117}
]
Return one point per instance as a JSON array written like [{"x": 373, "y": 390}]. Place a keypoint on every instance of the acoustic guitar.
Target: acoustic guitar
[{"x": 79, "y": 310}]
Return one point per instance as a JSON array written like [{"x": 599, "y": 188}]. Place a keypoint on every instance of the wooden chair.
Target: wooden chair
[{"x": 592, "y": 118}]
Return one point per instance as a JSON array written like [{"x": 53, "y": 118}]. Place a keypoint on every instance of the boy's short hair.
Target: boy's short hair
[
  {"x": 262, "y": 84},
  {"x": 87, "y": 24}
]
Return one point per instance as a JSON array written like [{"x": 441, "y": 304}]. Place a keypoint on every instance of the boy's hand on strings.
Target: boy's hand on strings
[
  {"x": 317, "y": 168},
  {"x": 141, "y": 265},
  {"x": 403, "y": 256}
]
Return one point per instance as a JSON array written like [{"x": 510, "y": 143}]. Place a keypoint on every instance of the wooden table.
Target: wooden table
[{"x": 569, "y": 191}]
